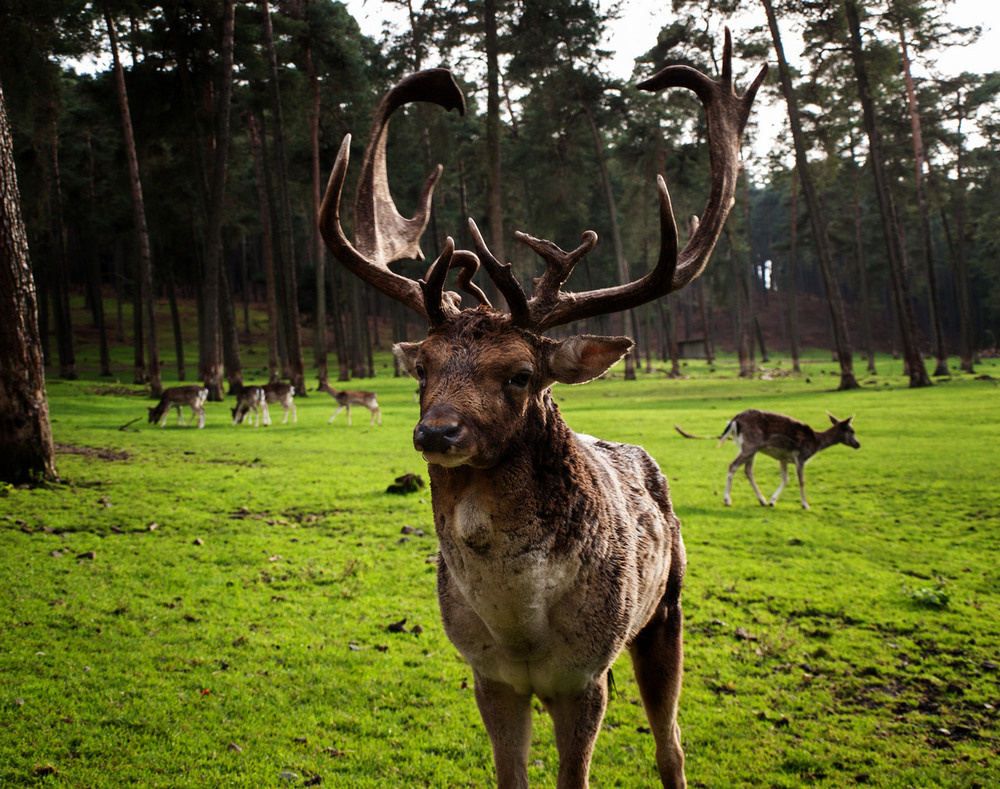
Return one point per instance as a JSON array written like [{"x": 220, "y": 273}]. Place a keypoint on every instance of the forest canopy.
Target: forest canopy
[{"x": 177, "y": 151}]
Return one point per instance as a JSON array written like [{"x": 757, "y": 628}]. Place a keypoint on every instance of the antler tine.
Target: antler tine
[
  {"x": 726, "y": 117},
  {"x": 469, "y": 265},
  {"x": 440, "y": 304},
  {"x": 502, "y": 277},
  {"x": 382, "y": 234}
]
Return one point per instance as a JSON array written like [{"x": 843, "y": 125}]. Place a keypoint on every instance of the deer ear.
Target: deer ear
[
  {"x": 406, "y": 355},
  {"x": 585, "y": 357}
]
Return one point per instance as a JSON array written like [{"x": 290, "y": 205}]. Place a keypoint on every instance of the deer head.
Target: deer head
[{"x": 510, "y": 361}]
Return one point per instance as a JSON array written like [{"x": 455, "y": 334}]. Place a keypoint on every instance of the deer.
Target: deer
[
  {"x": 557, "y": 551},
  {"x": 283, "y": 393},
  {"x": 177, "y": 397},
  {"x": 346, "y": 398},
  {"x": 783, "y": 438},
  {"x": 251, "y": 398}
]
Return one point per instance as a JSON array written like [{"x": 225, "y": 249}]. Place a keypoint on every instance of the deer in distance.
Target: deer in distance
[
  {"x": 251, "y": 398},
  {"x": 282, "y": 393},
  {"x": 193, "y": 396},
  {"x": 783, "y": 438},
  {"x": 556, "y": 550},
  {"x": 345, "y": 399}
]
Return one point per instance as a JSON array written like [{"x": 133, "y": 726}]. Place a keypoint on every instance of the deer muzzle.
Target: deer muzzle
[{"x": 439, "y": 436}]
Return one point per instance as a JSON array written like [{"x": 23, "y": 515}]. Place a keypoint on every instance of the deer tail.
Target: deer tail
[
  {"x": 688, "y": 435},
  {"x": 730, "y": 429}
]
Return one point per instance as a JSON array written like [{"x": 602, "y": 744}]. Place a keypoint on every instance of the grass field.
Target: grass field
[{"x": 202, "y": 608}]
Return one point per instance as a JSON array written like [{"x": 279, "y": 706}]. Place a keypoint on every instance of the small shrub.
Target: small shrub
[{"x": 937, "y": 596}]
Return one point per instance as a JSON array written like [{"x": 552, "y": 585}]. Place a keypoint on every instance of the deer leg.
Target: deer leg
[
  {"x": 295, "y": 414},
  {"x": 784, "y": 481},
  {"x": 348, "y": 407},
  {"x": 577, "y": 722},
  {"x": 748, "y": 468},
  {"x": 658, "y": 660},
  {"x": 507, "y": 718},
  {"x": 733, "y": 468},
  {"x": 201, "y": 417},
  {"x": 180, "y": 416},
  {"x": 267, "y": 415},
  {"x": 800, "y": 468},
  {"x": 337, "y": 412}
]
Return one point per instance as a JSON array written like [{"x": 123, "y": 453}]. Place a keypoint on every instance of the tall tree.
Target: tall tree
[
  {"x": 927, "y": 246},
  {"x": 144, "y": 256},
  {"x": 288, "y": 292},
  {"x": 213, "y": 293},
  {"x": 901, "y": 296},
  {"x": 26, "y": 450},
  {"x": 817, "y": 219}
]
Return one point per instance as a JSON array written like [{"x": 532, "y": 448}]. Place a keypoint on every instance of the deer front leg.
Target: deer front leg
[
  {"x": 337, "y": 412},
  {"x": 267, "y": 415},
  {"x": 800, "y": 468},
  {"x": 180, "y": 416},
  {"x": 577, "y": 722},
  {"x": 733, "y": 468},
  {"x": 507, "y": 718},
  {"x": 753, "y": 482},
  {"x": 784, "y": 481},
  {"x": 658, "y": 661}
]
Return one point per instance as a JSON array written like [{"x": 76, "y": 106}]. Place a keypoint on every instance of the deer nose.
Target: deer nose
[{"x": 437, "y": 433}]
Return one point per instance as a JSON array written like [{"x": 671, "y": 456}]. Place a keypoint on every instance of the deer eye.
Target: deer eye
[
  {"x": 520, "y": 379},
  {"x": 421, "y": 374}
]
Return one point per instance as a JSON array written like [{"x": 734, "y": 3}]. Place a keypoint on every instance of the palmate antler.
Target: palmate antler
[{"x": 384, "y": 236}]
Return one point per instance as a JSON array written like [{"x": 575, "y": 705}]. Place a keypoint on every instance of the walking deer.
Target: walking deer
[
  {"x": 345, "y": 399},
  {"x": 251, "y": 398},
  {"x": 557, "y": 550},
  {"x": 785, "y": 439},
  {"x": 281, "y": 393},
  {"x": 193, "y": 396}
]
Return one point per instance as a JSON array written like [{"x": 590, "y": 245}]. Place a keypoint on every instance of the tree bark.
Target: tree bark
[
  {"x": 937, "y": 333},
  {"x": 287, "y": 280},
  {"x": 145, "y": 261},
  {"x": 213, "y": 350},
  {"x": 267, "y": 242},
  {"x": 817, "y": 221},
  {"x": 27, "y": 454},
  {"x": 59, "y": 282},
  {"x": 907, "y": 332}
]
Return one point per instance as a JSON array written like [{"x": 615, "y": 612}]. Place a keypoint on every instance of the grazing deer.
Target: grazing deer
[
  {"x": 251, "y": 398},
  {"x": 345, "y": 399},
  {"x": 177, "y": 397},
  {"x": 281, "y": 393},
  {"x": 785, "y": 439},
  {"x": 557, "y": 551}
]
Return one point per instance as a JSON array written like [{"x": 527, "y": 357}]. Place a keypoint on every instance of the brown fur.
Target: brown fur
[
  {"x": 281, "y": 393},
  {"x": 177, "y": 397},
  {"x": 557, "y": 550},
  {"x": 346, "y": 398},
  {"x": 251, "y": 398},
  {"x": 785, "y": 439}
]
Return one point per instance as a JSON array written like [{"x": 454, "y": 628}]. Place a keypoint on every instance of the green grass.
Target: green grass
[{"x": 231, "y": 624}]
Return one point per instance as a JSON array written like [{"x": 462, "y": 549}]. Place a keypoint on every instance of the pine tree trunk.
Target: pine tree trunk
[
  {"x": 60, "y": 279},
  {"x": 821, "y": 238},
  {"x": 144, "y": 258},
  {"x": 27, "y": 454},
  {"x": 319, "y": 248},
  {"x": 267, "y": 243},
  {"x": 937, "y": 333},
  {"x": 907, "y": 333},
  {"x": 287, "y": 281}
]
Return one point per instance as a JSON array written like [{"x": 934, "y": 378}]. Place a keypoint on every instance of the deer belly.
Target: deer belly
[{"x": 782, "y": 455}]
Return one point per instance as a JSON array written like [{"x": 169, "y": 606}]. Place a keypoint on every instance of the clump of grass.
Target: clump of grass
[{"x": 936, "y": 596}]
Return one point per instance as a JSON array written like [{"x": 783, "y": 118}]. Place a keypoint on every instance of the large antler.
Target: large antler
[
  {"x": 727, "y": 116},
  {"x": 382, "y": 235}
]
